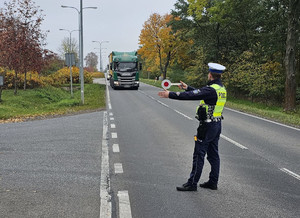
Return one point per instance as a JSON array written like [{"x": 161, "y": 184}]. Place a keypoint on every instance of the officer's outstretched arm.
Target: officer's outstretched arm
[{"x": 164, "y": 94}]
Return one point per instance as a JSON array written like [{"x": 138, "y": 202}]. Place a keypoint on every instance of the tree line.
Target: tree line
[
  {"x": 257, "y": 40},
  {"x": 22, "y": 45}
]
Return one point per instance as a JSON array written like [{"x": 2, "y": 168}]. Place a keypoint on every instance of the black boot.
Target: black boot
[
  {"x": 186, "y": 187},
  {"x": 209, "y": 185}
]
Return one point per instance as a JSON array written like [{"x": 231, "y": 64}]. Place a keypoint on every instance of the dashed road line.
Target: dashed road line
[
  {"x": 290, "y": 173},
  {"x": 124, "y": 204},
  {"x": 183, "y": 114},
  {"x": 114, "y": 135},
  {"x": 111, "y": 118},
  {"x": 118, "y": 168},
  {"x": 233, "y": 142},
  {"x": 105, "y": 198},
  {"x": 167, "y": 106},
  {"x": 116, "y": 148},
  {"x": 111, "y": 114},
  {"x": 113, "y": 126}
]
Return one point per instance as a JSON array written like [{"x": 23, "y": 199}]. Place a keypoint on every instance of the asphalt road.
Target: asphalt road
[
  {"x": 155, "y": 138},
  {"x": 51, "y": 168},
  {"x": 128, "y": 160}
]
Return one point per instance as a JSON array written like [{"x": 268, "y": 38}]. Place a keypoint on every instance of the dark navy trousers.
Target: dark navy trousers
[{"x": 207, "y": 146}]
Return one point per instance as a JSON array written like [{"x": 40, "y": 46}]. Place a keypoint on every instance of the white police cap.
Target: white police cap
[{"x": 216, "y": 68}]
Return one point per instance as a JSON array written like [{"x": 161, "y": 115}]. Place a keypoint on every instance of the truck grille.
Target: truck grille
[{"x": 126, "y": 80}]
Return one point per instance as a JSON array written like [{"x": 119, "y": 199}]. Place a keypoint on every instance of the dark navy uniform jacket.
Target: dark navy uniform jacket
[{"x": 206, "y": 93}]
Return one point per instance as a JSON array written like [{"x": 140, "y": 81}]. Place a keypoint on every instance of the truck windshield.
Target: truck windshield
[{"x": 127, "y": 66}]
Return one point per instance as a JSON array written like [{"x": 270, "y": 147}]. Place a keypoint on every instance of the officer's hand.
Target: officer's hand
[
  {"x": 164, "y": 94},
  {"x": 183, "y": 85}
]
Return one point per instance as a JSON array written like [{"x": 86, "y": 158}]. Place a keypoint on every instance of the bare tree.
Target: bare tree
[
  {"x": 65, "y": 47},
  {"x": 91, "y": 60}
]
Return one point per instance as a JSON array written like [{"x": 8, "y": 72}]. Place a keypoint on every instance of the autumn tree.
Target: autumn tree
[
  {"x": 91, "y": 60},
  {"x": 159, "y": 44},
  {"x": 21, "y": 39}
]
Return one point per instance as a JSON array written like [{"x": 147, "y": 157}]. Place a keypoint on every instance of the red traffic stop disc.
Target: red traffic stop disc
[{"x": 166, "y": 84}]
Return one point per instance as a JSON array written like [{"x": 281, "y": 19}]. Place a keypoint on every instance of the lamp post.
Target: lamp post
[
  {"x": 100, "y": 43},
  {"x": 80, "y": 21},
  {"x": 70, "y": 50}
]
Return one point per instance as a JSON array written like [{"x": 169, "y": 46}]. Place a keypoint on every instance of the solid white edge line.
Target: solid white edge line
[
  {"x": 233, "y": 142},
  {"x": 108, "y": 98},
  {"x": 124, "y": 204},
  {"x": 290, "y": 173},
  {"x": 118, "y": 168},
  {"x": 116, "y": 148},
  {"x": 105, "y": 198},
  {"x": 260, "y": 118}
]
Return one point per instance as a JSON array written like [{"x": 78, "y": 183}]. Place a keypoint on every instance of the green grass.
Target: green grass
[
  {"x": 259, "y": 109},
  {"x": 49, "y": 101}
]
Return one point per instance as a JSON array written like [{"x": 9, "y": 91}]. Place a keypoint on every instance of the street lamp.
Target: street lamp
[
  {"x": 100, "y": 43},
  {"x": 70, "y": 50},
  {"x": 80, "y": 21}
]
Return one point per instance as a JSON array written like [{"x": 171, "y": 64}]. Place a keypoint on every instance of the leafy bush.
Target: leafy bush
[
  {"x": 256, "y": 80},
  {"x": 97, "y": 75},
  {"x": 35, "y": 80}
]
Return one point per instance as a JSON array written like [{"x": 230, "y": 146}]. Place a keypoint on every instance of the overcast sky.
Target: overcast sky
[{"x": 117, "y": 21}]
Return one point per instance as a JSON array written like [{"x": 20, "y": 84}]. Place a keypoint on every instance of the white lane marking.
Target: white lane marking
[
  {"x": 124, "y": 204},
  {"x": 114, "y": 135},
  {"x": 116, "y": 148},
  {"x": 113, "y": 126},
  {"x": 290, "y": 173},
  {"x": 111, "y": 114},
  {"x": 260, "y": 118},
  {"x": 111, "y": 118},
  {"x": 158, "y": 101},
  {"x": 105, "y": 198},
  {"x": 233, "y": 142},
  {"x": 118, "y": 168},
  {"x": 183, "y": 114},
  {"x": 108, "y": 98}
]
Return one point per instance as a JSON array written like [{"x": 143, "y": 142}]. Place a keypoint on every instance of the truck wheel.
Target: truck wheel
[{"x": 111, "y": 83}]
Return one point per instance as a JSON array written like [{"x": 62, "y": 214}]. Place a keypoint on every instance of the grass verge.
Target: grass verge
[
  {"x": 269, "y": 112},
  {"x": 49, "y": 101}
]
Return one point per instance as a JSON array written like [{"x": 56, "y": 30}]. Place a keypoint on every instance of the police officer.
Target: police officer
[{"x": 209, "y": 114}]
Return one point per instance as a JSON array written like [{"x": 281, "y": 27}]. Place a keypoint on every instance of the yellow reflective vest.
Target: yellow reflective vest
[{"x": 215, "y": 111}]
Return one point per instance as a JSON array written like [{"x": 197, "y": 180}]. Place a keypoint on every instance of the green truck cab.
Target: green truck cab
[{"x": 124, "y": 70}]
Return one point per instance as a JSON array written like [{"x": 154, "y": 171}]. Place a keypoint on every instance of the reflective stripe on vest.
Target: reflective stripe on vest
[{"x": 215, "y": 111}]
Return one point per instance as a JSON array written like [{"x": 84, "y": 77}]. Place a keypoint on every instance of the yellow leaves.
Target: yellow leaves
[
  {"x": 35, "y": 80},
  {"x": 159, "y": 44},
  {"x": 197, "y": 7}
]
